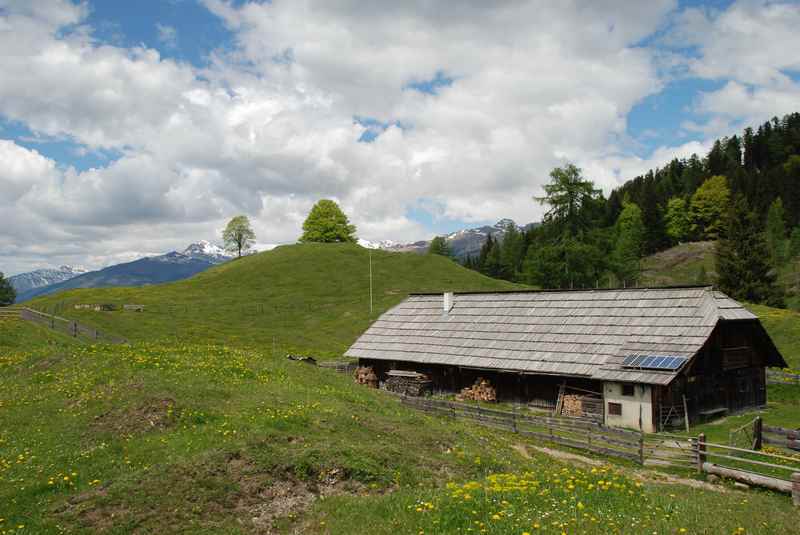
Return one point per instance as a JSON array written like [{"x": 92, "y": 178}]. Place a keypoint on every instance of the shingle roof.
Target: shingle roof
[{"x": 579, "y": 333}]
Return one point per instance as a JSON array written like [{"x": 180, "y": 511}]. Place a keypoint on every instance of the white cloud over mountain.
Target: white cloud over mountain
[{"x": 270, "y": 126}]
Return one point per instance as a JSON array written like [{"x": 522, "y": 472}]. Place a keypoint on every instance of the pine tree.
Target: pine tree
[
  {"x": 493, "y": 266},
  {"x": 743, "y": 258},
  {"x": 7, "y": 293},
  {"x": 776, "y": 233},
  {"x": 630, "y": 235},
  {"x": 510, "y": 252},
  {"x": 794, "y": 242},
  {"x": 439, "y": 246}
]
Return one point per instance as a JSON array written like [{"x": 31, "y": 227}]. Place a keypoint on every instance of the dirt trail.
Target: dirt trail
[{"x": 640, "y": 475}]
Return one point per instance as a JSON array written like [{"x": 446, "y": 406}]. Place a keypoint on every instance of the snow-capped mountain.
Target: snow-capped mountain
[
  {"x": 168, "y": 267},
  {"x": 383, "y": 244},
  {"x": 43, "y": 277},
  {"x": 205, "y": 250},
  {"x": 463, "y": 243}
]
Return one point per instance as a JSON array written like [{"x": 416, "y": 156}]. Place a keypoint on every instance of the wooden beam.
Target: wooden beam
[{"x": 781, "y": 485}]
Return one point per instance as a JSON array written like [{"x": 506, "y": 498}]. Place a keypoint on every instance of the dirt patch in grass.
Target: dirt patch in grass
[
  {"x": 224, "y": 491},
  {"x": 153, "y": 414}
]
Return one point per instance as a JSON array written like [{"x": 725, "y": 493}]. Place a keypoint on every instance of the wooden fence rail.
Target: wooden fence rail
[
  {"x": 779, "y": 436},
  {"x": 769, "y": 470},
  {"x": 780, "y": 377},
  {"x": 70, "y": 327},
  {"x": 579, "y": 433},
  {"x": 773, "y": 471}
]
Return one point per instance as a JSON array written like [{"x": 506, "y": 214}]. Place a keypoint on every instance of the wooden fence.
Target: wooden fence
[
  {"x": 780, "y": 377},
  {"x": 773, "y": 471},
  {"x": 339, "y": 366},
  {"x": 770, "y": 470},
  {"x": 70, "y": 327},
  {"x": 780, "y": 436},
  {"x": 9, "y": 313},
  {"x": 579, "y": 433}
]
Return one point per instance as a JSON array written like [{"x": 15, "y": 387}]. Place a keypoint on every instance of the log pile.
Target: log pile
[
  {"x": 482, "y": 390},
  {"x": 581, "y": 406},
  {"x": 408, "y": 383},
  {"x": 365, "y": 375}
]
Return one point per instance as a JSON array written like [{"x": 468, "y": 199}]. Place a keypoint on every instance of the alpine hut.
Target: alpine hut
[{"x": 644, "y": 358}]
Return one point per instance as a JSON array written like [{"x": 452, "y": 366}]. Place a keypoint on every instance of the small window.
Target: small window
[
  {"x": 627, "y": 390},
  {"x": 615, "y": 409}
]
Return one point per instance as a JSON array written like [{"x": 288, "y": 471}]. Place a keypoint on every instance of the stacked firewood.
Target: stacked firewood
[
  {"x": 482, "y": 390},
  {"x": 408, "y": 383},
  {"x": 572, "y": 405},
  {"x": 365, "y": 375}
]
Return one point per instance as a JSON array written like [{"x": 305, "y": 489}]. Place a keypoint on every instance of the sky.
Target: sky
[{"x": 135, "y": 128}]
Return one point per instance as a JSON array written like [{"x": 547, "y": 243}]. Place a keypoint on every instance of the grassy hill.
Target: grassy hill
[
  {"x": 185, "y": 438},
  {"x": 682, "y": 264},
  {"x": 307, "y": 298},
  {"x": 199, "y": 427}
]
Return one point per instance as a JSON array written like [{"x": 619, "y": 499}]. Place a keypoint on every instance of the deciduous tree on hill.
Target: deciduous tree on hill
[
  {"x": 326, "y": 223},
  {"x": 439, "y": 246},
  {"x": 708, "y": 207},
  {"x": 7, "y": 293},
  {"x": 238, "y": 235},
  {"x": 677, "y": 219}
]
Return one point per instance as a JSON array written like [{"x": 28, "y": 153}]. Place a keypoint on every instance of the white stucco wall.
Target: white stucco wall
[{"x": 632, "y": 406}]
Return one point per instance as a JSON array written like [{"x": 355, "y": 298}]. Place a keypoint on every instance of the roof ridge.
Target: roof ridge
[{"x": 574, "y": 290}]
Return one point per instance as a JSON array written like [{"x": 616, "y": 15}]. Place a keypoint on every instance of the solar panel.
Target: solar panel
[
  {"x": 647, "y": 362},
  {"x": 654, "y": 362}
]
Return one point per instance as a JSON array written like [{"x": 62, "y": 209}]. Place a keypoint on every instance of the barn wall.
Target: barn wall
[{"x": 636, "y": 408}]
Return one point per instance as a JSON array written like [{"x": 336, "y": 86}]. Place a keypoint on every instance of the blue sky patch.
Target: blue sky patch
[
  {"x": 432, "y": 86},
  {"x": 197, "y": 31}
]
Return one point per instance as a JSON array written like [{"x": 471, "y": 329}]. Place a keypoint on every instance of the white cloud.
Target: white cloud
[
  {"x": 268, "y": 128},
  {"x": 752, "y": 47}
]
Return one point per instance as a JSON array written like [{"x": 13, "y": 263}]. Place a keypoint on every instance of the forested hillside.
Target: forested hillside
[{"x": 745, "y": 194}]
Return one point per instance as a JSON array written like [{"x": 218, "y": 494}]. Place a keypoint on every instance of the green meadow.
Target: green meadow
[{"x": 201, "y": 425}]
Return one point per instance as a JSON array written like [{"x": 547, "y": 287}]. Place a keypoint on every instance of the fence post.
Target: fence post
[
  {"x": 758, "y": 425},
  {"x": 514, "y": 418},
  {"x": 796, "y": 489},
  {"x": 701, "y": 448},
  {"x": 641, "y": 449}
]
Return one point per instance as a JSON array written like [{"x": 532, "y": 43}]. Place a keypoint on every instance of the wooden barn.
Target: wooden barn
[{"x": 640, "y": 358}]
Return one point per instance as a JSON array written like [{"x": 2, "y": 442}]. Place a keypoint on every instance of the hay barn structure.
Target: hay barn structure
[{"x": 638, "y": 358}]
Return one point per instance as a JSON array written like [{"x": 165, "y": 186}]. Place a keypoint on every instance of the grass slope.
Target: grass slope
[
  {"x": 680, "y": 265},
  {"x": 206, "y": 430},
  {"x": 306, "y": 298},
  {"x": 182, "y": 438}
]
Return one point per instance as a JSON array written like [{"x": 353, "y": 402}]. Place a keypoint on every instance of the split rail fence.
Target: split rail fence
[
  {"x": 9, "y": 313},
  {"x": 770, "y": 470},
  {"x": 70, "y": 327},
  {"x": 780, "y": 377}
]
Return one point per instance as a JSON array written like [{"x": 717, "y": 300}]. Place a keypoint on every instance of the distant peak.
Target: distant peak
[
  {"x": 206, "y": 250},
  {"x": 505, "y": 222}
]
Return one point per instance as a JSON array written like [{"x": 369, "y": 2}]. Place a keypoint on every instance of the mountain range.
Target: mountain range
[
  {"x": 168, "y": 267},
  {"x": 463, "y": 243},
  {"x": 202, "y": 255}
]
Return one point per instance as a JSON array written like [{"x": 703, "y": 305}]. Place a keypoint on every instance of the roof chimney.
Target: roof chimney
[{"x": 447, "y": 303}]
